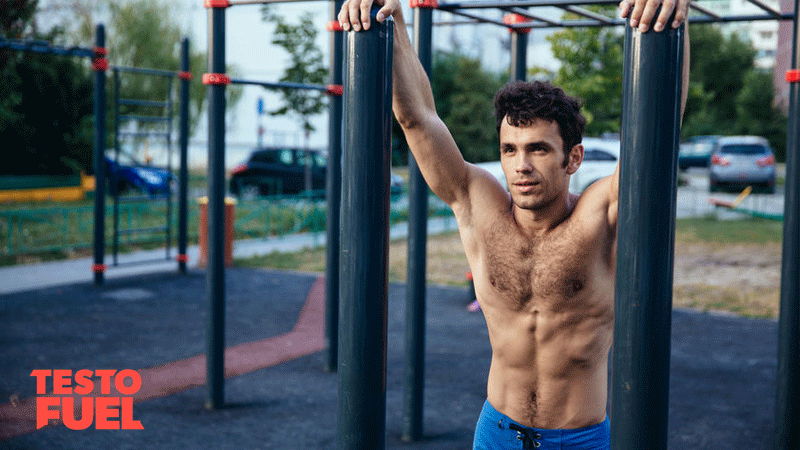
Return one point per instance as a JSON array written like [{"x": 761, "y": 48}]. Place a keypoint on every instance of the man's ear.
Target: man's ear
[{"x": 574, "y": 158}]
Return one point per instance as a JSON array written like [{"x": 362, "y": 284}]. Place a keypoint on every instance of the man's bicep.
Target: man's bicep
[
  {"x": 613, "y": 199},
  {"x": 438, "y": 158}
]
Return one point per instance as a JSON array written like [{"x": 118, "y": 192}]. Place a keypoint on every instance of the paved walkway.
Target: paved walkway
[{"x": 24, "y": 277}]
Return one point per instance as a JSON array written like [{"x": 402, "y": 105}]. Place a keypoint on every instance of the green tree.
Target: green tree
[
  {"x": 591, "y": 69},
  {"x": 305, "y": 66},
  {"x": 45, "y": 101},
  {"x": 464, "y": 94},
  {"x": 142, "y": 34}
]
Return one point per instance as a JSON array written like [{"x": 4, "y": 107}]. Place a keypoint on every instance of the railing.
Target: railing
[{"x": 66, "y": 229}]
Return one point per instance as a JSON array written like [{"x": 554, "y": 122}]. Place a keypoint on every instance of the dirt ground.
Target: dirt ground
[{"x": 742, "y": 279}]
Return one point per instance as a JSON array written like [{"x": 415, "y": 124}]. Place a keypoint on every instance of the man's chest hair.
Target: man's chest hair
[{"x": 555, "y": 266}]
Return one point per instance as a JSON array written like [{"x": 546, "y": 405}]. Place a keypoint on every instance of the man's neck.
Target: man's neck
[{"x": 536, "y": 222}]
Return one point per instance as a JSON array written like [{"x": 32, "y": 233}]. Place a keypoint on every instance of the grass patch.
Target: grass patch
[
  {"x": 710, "y": 231},
  {"x": 755, "y": 302},
  {"x": 306, "y": 261}
]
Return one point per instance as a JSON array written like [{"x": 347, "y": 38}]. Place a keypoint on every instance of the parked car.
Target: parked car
[
  {"x": 599, "y": 160},
  {"x": 125, "y": 173},
  {"x": 279, "y": 170},
  {"x": 285, "y": 170},
  {"x": 740, "y": 161},
  {"x": 696, "y": 151}
]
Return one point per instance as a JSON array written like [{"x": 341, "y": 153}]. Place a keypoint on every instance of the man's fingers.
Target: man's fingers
[
  {"x": 681, "y": 13},
  {"x": 647, "y": 15},
  {"x": 666, "y": 11},
  {"x": 354, "y": 10},
  {"x": 383, "y": 13},
  {"x": 625, "y": 8},
  {"x": 343, "y": 17},
  {"x": 636, "y": 14},
  {"x": 365, "y": 7}
]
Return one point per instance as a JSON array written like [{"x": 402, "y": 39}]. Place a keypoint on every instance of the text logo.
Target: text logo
[{"x": 97, "y": 406}]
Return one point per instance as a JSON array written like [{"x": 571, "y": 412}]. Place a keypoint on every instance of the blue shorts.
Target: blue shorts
[{"x": 496, "y": 431}]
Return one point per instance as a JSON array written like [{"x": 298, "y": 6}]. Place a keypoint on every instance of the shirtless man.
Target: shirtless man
[{"x": 543, "y": 259}]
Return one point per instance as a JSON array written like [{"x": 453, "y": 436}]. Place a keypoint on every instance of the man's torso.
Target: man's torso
[{"x": 548, "y": 303}]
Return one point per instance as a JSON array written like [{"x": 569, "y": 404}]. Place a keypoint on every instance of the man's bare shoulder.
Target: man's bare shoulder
[
  {"x": 486, "y": 197},
  {"x": 591, "y": 207}
]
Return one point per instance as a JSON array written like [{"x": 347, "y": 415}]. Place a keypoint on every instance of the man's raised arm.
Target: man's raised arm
[{"x": 430, "y": 141}]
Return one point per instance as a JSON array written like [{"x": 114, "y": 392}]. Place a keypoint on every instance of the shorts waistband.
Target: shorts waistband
[{"x": 505, "y": 422}]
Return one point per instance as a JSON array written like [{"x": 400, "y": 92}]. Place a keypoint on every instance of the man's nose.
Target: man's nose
[{"x": 523, "y": 165}]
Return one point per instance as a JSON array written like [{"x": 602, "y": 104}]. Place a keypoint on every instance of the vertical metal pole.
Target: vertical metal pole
[
  {"x": 519, "y": 54},
  {"x": 788, "y": 397},
  {"x": 170, "y": 113},
  {"x": 183, "y": 143},
  {"x": 646, "y": 233},
  {"x": 365, "y": 237},
  {"x": 115, "y": 174},
  {"x": 215, "y": 279},
  {"x": 99, "y": 161},
  {"x": 333, "y": 189},
  {"x": 413, "y": 394}
]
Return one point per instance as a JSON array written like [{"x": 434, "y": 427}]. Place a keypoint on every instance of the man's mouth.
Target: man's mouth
[{"x": 525, "y": 186}]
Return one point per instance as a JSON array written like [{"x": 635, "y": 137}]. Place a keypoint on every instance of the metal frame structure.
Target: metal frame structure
[
  {"x": 641, "y": 315},
  {"x": 217, "y": 80},
  {"x": 99, "y": 267},
  {"x": 166, "y": 118}
]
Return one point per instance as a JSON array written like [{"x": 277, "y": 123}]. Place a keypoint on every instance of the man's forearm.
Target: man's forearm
[{"x": 412, "y": 96}]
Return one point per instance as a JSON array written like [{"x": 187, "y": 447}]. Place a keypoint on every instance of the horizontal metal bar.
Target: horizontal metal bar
[
  {"x": 142, "y": 230},
  {"x": 45, "y": 47},
  {"x": 143, "y": 133},
  {"x": 703, "y": 10},
  {"x": 266, "y": 2},
  {"x": 620, "y": 22},
  {"x": 526, "y": 14},
  {"x": 144, "y": 118},
  {"x": 280, "y": 84},
  {"x": 520, "y": 4},
  {"x": 476, "y": 17},
  {"x": 146, "y": 71},
  {"x": 767, "y": 8},
  {"x": 142, "y": 198},
  {"x": 147, "y": 103},
  {"x": 143, "y": 261},
  {"x": 589, "y": 14}
]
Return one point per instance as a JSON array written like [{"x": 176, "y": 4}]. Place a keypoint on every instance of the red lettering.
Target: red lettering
[
  {"x": 136, "y": 381},
  {"x": 126, "y": 412},
  {"x": 104, "y": 412},
  {"x": 105, "y": 380},
  {"x": 83, "y": 379},
  {"x": 41, "y": 380},
  {"x": 87, "y": 413},
  {"x": 43, "y": 411},
  {"x": 62, "y": 382}
]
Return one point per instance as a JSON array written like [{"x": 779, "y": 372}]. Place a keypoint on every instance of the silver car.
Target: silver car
[{"x": 741, "y": 161}]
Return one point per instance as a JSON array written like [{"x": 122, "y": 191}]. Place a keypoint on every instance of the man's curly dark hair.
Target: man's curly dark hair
[{"x": 524, "y": 102}]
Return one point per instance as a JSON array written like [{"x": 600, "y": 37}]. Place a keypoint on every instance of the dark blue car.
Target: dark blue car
[{"x": 130, "y": 174}]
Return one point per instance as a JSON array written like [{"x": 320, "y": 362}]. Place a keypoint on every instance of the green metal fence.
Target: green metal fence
[{"x": 68, "y": 228}]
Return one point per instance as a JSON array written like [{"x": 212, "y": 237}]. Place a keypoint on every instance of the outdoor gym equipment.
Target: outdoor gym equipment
[
  {"x": 634, "y": 332},
  {"x": 217, "y": 80},
  {"x": 99, "y": 267}
]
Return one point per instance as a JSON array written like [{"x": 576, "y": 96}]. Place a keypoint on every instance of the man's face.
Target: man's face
[{"x": 532, "y": 158}]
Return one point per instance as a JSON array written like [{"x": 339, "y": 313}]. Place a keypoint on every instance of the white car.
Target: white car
[{"x": 600, "y": 158}]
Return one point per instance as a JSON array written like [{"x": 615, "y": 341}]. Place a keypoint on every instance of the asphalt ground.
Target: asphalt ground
[{"x": 722, "y": 388}]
